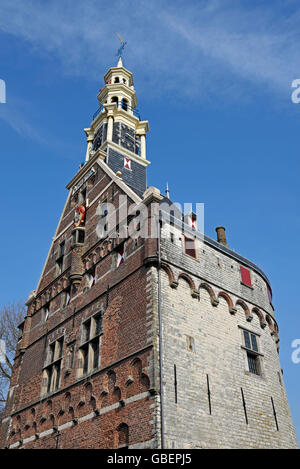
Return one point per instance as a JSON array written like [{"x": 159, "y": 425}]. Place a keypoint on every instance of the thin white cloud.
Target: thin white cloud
[
  {"x": 213, "y": 46},
  {"x": 15, "y": 119}
]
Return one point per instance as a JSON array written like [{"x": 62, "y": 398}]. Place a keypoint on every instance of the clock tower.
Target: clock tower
[{"x": 118, "y": 130}]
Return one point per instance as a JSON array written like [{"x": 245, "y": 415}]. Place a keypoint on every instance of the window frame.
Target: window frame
[
  {"x": 90, "y": 345},
  {"x": 195, "y": 250},
  {"x": 252, "y": 353},
  {"x": 53, "y": 366}
]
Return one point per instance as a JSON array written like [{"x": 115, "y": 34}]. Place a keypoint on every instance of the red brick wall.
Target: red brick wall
[{"x": 125, "y": 354}]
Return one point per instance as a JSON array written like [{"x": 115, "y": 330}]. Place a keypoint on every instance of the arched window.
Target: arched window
[
  {"x": 117, "y": 80},
  {"x": 124, "y": 104},
  {"x": 115, "y": 99}
]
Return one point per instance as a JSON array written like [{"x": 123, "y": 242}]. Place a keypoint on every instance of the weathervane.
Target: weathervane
[{"x": 120, "y": 50}]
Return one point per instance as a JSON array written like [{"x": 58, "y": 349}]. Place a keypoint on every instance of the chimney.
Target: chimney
[{"x": 221, "y": 236}]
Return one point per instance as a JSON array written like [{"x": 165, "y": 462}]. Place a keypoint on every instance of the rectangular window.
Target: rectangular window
[
  {"x": 253, "y": 363},
  {"x": 120, "y": 255},
  {"x": 83, "y": 196},
  {"x": 66, "y": 297},
  {"x": 89, "y": 352},
  {"x": 60, "y": 258},
  {"x": 62, "y": 248},
  {"x": 92, "y": 278},
  {"x": 245, "y": 276},
  {"x": 190, "y": 247},
  {"x": 52, "y": 370},
  {"x": 250, "y": 342}
]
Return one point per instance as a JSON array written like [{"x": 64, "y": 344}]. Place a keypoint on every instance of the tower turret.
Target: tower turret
[{"x": 118, "y": 130}]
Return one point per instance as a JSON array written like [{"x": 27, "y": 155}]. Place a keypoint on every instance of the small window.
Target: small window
[
  {"x": 45, "y": 312},
  {"x": 120, "y": 255},
  {"x": 83, "y": 196},
  {"x": 245, "y": 276},
  {"x": 115, "y": 99},
  {"x": 52, "y": 371},
  {"x": 190, "y": 247},
  {"x": 250, "y": 343},
  {"x": 117, "y": 80},
  {"x": 62, "y": 248},
  {"x": 89, "y": 352},
  {"x": 60, "y": 258},
  {"x": 91, "y": 278},
  {"x": 190, "y": 343},
  {"x": 124, "y": 104},
  {"x": 66, "y": 297},
  {"x": 78, "y": 236}
]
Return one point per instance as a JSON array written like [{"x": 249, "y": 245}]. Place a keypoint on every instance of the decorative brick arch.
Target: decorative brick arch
[
  {"x": 63, "y": 412},
  {"x": 247, "y": 312},
  {"x": 188, "y": 279},
  {"x": 169, "y": 272},
  {"x": 276, "y": 330},
  {"x": 260, "y": 315},
  {"x": 229, "y": 301},
  {"x": 270, "y": 322},
  {"x": 214, "y": 300},
  {"x": 111, "y": 392},
  {"x": 137, "y": 380}
]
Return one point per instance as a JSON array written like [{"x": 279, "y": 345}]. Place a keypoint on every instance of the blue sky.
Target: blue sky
[{"x": 214, "y": 80}]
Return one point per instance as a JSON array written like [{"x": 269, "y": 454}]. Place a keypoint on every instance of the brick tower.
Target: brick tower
[{"x": 142, "y": 332}]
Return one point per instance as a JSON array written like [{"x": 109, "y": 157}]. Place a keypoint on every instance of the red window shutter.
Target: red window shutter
[
  {"x": 189, "y": 246},
  {"x": 246, "y": 277}
]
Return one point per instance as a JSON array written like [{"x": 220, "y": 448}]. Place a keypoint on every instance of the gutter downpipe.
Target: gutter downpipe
[{"x": 160, "y": 337}]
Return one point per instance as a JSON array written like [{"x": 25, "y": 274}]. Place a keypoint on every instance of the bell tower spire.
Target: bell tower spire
[{"x": 118, "y": 130}]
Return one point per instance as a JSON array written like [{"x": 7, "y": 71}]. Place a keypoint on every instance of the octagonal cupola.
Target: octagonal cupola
[
  {"x": 118, "y": 130},
  {"x": 119, "y": 89}
]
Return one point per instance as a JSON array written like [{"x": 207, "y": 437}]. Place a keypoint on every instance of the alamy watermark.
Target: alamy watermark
[
  {"x": 295, "y": 96},
  {"x": 134, "y": 220},
  {"x": 2, "y": 351},
  {"x": 296, "y": 353},
  {"x": 2, "y": 91}
]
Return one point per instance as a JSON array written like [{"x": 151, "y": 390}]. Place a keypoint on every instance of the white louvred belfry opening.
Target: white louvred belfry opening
[{"x": 127, "y": 163}]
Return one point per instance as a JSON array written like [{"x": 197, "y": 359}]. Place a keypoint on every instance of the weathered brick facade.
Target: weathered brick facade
[{"x": 87, "y": 368}]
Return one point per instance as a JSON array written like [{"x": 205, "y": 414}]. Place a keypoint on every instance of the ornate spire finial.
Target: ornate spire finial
[
  {"x": 120, "y": 50},
  {"x": 167, "y": 191}
]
